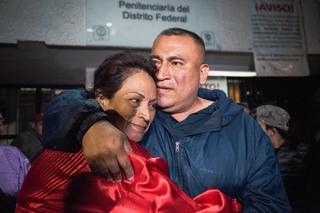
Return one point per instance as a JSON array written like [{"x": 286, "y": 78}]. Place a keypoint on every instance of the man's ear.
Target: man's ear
[
  {"x": 272, "y": 132},
  {"x": 204, "y": 70},
  {"x": 32, "y": 124}
]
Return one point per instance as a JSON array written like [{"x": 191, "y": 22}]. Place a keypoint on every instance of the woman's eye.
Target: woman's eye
[{"x": 135, "y": 101}]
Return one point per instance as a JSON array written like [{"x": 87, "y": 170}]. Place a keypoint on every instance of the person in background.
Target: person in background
[
  {"x": 1, "y": 124},
  {"x": 29, "y": 141},
  {"x": 207, "y": 140},
  {"x": 275, "y": 123},
  {"x": 3, "y": 128},
  {"x": 7, "y": 128},
  {"x": 290, "y": 150},
  {"x": 14, "y": 167}
]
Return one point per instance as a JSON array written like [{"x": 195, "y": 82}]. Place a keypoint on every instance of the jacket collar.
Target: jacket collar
[{"x": 212, "y": 118}]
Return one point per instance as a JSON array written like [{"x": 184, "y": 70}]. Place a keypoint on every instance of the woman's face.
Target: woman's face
[{"x": 135, "y": 101}]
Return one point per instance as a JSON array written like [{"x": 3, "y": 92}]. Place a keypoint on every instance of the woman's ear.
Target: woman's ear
[{"x": 103, "y": 101}]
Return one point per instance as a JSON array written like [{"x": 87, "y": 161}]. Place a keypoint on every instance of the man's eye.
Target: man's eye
[
  {"x": 176, "y": 63},
  {"x": 156, "y": 63},
  {"x": 153, "y": 106}
]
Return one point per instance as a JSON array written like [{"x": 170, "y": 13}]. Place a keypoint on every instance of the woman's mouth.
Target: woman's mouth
[{"x": 137, "y": 127}]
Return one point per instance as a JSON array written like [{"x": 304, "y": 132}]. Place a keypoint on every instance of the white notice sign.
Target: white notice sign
[
  {"x": 136, "y": 23},
  {"x": 278, "y": 42}
]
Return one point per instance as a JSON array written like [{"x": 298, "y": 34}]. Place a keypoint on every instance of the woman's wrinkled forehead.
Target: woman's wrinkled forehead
[{"x": 141, "y": 82}]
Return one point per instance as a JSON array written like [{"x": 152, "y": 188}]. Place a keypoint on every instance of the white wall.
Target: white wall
[
  {"x": 234, "y": 25},
  {"x": 311, "y": 11},
  {"x": 59, "y": 22},
  {"x": 62, "y": 22}
]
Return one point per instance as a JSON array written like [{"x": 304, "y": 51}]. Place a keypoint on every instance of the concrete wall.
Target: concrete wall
[
  {"x": 62, "y": 22},
  {"x": 58, "y": 22},
  {"x": 311, "y": 16}
]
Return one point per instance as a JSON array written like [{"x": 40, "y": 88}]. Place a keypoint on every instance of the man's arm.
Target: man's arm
[
  {"x": 65, "y": 116},
  {"x": 72, "y": 116},
  {"x": 104, "y": 148},
  {"x": 264, "y": 190}
]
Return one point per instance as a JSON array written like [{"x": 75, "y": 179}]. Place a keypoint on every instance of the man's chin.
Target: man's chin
[
  {"x": 165, "y": 100},
  {"x": 165, "y": 107}
]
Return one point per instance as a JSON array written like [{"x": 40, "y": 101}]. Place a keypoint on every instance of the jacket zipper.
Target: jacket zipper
[{"x": 177, "y": 146}]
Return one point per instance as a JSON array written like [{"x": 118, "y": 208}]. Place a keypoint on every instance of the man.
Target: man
[
  {"x": 275, "y": 123},
  {"x": 3, "y": 129},
  {"x": 292, "y": 158},
  {"x": 207, "y": 140},
  {"x": 1, "y": 123},
  {"x": 29, "y": 141}
]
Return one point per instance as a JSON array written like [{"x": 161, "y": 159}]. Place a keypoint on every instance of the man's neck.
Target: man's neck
[{"x": 198, "y": 105}]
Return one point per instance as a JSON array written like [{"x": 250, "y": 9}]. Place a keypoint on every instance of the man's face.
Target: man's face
[
  {"x": 179, "y": 72},
  {"x": 273, "y": 135},
  {"x": 38, "y": 128}
]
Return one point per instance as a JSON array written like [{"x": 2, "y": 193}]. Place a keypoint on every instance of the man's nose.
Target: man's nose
[{"x": 163, "y": 71}]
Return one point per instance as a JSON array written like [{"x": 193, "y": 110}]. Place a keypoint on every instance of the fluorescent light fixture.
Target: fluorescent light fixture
[
  {"x": 232, "y": 73},
  {"x": 90, "y": 30},
  {"x": 109, "y": 24}
]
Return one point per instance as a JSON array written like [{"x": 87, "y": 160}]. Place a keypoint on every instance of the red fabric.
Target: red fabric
[{"x": 62, "y": 182}]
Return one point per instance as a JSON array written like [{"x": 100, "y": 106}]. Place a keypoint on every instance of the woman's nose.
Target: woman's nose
[{"x": 144, "y": 113}]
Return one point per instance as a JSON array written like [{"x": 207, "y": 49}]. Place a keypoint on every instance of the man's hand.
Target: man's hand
[{"x": 104, "y": 148}]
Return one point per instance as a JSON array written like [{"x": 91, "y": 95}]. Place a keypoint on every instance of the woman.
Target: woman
[{"x": 63, "y": 182}]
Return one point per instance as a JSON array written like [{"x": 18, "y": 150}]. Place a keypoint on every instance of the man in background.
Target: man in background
[
  {"x": 275, "y": 123},
  {"x": 1, "y": 123},
  {"x": 29, "y": 141}
]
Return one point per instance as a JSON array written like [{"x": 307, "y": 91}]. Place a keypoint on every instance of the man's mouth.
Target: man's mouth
[{"x": 163, "y": 89}]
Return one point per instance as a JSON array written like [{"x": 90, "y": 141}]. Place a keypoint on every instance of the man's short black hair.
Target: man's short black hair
[{"x": 175, "y": 31}]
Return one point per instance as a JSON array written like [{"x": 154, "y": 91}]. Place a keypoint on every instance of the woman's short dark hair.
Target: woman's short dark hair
[{"x": 114, "y": 70}]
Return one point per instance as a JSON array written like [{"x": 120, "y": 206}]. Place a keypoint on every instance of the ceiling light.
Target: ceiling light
[{"x": 232, "y": 73}]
